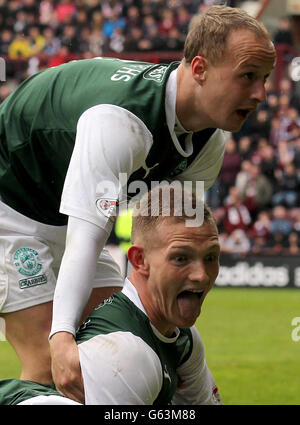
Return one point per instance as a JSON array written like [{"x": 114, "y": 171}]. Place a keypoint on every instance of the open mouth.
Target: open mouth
[
  {"x": 189, "y": 305},
  {"x": 191, "y": 293},
  {"x": 243, "y": 113}
]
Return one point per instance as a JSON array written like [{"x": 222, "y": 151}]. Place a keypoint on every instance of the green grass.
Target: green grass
[
  {"x": 249, "y": 349},
  {"x": 10, "y": 366}
]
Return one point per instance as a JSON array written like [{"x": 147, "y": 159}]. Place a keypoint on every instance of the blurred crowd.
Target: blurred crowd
[
  {"x": 62, "y": 28},
  {"x": 256, "y": 197}
]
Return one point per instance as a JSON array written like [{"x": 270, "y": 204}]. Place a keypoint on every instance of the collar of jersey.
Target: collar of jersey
[
  {"x": 130, "y": 291},
  {"x": 175, "y": 127}
]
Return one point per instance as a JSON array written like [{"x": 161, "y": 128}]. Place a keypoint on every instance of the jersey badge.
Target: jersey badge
[
  {"x": 155, "y": 74},
  {"x": 108, "y": 207},
  {"x": 28, "y": 263}
]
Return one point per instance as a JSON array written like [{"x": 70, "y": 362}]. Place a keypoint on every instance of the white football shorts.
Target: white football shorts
[{"x": 30, "y": 257}]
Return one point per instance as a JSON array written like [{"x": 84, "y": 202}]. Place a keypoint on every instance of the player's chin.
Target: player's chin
[{"x": 233, "y": 127}]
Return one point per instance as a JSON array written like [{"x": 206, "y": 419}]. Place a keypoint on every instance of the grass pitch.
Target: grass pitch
[{"x": 249, "y": 348}]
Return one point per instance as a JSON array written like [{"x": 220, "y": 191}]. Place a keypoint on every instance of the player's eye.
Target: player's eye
[
  {"x": 210, "y": 258},
  {"x": 180, "y": 259},
  {"x": 249, "y": 76}
]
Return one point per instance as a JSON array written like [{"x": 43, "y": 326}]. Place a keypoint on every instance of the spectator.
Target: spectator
[
  {"x": 285, "y": 153},
  {"x": 96, "y": 42},
  {"x": 268, "y": 163},
  {"x": 111, "y": 9},
  {"x": 46, "y": 13},
  {"x": 243, "y": 175},
  {"x": 11, "y": 13},
  {"x": 275, "y": 133},
  {"x": 155, "y": 39},
  {"x": 283, "y": 107},
  {"x": 183, "y": 20},
  {"x": 19, "y": 48},
  {"x": 237, "y": 243},
  {"x": 36, "y": 40},
  {"x": 286, "y": 87},
  {"x": 111, "y": 24},
  {"x": 262, "y": 225},
  {"x": 272, "y": 105},
  {"x": 133, "y": 38},
  {"x": 284, "y": 34},
  {"x": 236, "y": 214},
  {"x": 291, "y": 124},
  {"x": 174, "y": 41},
  {"x": 258, "y": 153},
  {"x": 293, "y": 244},
  {"x": 149, "y": 23},
  {"x": 91, "y": 7},
  {"x": 21, "y": 22},
  {"x": 5, "y": 41},
  {"x": 97, "y": 20},
  {"x": 280, "y": 223},
  {"x": 117, "y": 41},
  {"x": 69, "y": 38},
  {"x": 133, "y": 18},
  {"x": 230, "y": 168},
  {"x": 84, "y": 40},
  {"x": 288, "y": 186},
  {"x": 62, "y": 56},
  {"x": 81, "y": 19},
  {"x": 64, "y": 10},
  {"x": 260, "y": 123},
  {"x": 52, "y": 43},
  {"x": 259, "y": 245},
  {"x": 31, "y": 7},
  {"x": 167, "y": 22},
  {"x": 257, "y": 191},
  {"x": 245, "y": 147}
]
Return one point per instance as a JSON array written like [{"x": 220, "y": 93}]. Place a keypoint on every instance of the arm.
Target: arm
[
  {"x": 109, "y": 141},
  {"x": 198, "y": 385},
  {"x": 84, "y": 244}
]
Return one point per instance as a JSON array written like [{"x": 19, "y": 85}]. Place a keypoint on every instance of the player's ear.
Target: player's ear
[
  {"x": 199, "y": 69},
  {"x": 136, "y": 256}
]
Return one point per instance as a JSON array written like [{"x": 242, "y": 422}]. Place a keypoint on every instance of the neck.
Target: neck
[
  {"x": 188, "y": 101},
  {"x": 149, "y": 304}
]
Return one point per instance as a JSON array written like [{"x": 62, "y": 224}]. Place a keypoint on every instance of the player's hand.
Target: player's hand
[{"x": 66, "y": 371}]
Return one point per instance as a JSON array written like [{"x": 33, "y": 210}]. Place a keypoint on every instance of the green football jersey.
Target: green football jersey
[
  {"x": 14, "y": 391},
  {"x": 38, "y": 128},
  {"x": 119, "y": 313}
]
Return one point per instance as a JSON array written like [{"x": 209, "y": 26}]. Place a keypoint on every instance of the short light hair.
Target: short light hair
[
  {"x": 145, "y": 223},
  {"x": 209, "y": 31}
]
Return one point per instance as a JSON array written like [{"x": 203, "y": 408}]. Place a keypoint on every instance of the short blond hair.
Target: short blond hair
[
  {"x": 209, "y": 31},
  {"x": 145, "y": 224}
]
